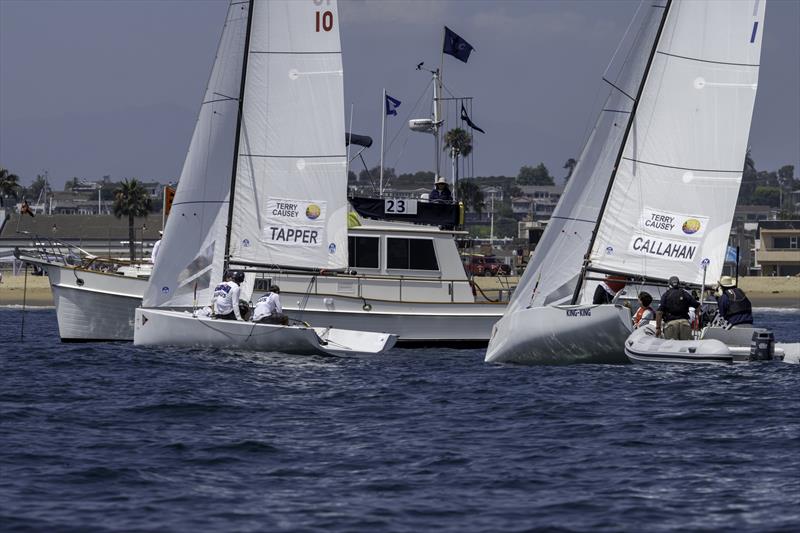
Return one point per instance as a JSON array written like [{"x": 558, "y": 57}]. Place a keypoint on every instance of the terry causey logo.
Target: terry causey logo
[
  {"x": 332, "y": 248},
  {"x": 313, "y": 211},
  {"x": 690, "y": 226}
]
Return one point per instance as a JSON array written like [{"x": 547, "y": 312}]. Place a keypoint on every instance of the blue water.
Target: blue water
[{"x": 108, "y": 437}]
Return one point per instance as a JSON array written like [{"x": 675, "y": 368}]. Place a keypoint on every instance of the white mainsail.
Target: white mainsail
[
  {"x": 290, "y": 194},
  {"x": 193, "y": 247},
  {"x": 554, "y": 270},
  {"x": 671, "y": 205}
]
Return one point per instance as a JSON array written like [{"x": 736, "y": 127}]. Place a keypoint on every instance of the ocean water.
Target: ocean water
[{"x": 108, "y": 437}]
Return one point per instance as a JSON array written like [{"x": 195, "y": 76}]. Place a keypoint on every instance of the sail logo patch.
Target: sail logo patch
[
  {"x": 691, "y": 226},
  {"x": 662, "y": 248},
  {"x": 313, "y": 211},
  {"x": 294, "y": 223},
  {"x": 660, "y": 222}
]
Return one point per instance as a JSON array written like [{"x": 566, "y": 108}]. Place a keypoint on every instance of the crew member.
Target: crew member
[
  {"x": 674, "y": 310},
  {"x": 606, "y": 290},
  {"x": 441, "y": 191},
  {"x": 156, "y": 246},
  {"x": 645, "y": 313},
  {"x": 226, "y": 297},
  {"x": 268, "y": 308},
  {"x": 733, "y": 304}
]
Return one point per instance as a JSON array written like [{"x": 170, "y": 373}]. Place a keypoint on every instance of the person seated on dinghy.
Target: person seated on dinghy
[
  {"x": 226, "y": 297},
  {"x": 268, "y": 308},
  {"x": 645, "y": 313},
  {"x": 607, "y": 290},
  {"x": 674, "y": 310},
  {"x": 733, "y": 304}
]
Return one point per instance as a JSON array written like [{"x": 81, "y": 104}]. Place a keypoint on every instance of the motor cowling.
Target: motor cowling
[{"x": 762, "y": 345}]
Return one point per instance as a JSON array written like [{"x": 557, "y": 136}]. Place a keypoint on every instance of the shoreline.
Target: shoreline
[{"x": 763, "y": 292}]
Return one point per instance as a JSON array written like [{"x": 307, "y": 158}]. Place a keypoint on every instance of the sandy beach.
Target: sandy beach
[{"x": 763, "y": 292}]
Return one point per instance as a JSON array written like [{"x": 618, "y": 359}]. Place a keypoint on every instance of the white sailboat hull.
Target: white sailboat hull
[
  {"x": 413, "y": 323},
  {"x": 155, "y": 327},
  {"x": 94, "y": 306},
  {"x": 561, "y": 335}
]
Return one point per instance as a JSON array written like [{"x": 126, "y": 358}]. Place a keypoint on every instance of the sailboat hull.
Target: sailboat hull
[
  {"x": 561, "y": 335},
  {"x": 93, "y": 306},
  {"x": 156, "y": 327}
]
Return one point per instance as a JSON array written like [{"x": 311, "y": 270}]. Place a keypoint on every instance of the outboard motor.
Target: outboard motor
[{"x": 762, "y": 345}]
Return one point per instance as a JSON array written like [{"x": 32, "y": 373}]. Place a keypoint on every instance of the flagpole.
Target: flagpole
[{"x": 383, "y": 135}]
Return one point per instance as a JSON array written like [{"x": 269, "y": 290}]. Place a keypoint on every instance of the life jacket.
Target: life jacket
[
  {"x": 676, "y": 304},
  {"x": 738, "y": 303},
  {"x": 638, "y": 316}
]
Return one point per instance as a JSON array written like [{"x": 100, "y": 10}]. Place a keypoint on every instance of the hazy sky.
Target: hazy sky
[{"x": 89, "y": 88}]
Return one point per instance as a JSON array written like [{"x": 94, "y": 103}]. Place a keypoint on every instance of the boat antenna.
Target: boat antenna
[
  {"x": 246, "y": 55},
  {"x": 628, "y": 128}
]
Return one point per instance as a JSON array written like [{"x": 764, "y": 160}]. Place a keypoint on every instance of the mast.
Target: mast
[
  {"x": 437, "y": 82},
  {"x": 618, "y": 159},
  {"x": 246, "y": 52}
]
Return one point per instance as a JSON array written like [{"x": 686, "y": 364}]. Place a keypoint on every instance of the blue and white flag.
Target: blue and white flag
[
  {"x": 731, "y": 255},
  {"x": 391, "y": 105}
]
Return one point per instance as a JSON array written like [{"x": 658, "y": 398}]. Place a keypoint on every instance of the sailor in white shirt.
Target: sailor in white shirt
[
  {"x": 226, "y": 297},
  {"x": 268, "y": 308},
  {"x": 156, "y": 246}
]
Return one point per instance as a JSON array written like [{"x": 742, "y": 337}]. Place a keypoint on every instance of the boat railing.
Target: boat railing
[
  {"x": 401, "y": 289},
  {"x": 53, "y": 251}
]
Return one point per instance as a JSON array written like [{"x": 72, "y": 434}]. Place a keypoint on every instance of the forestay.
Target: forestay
[
  {"x": 290, "y": 192},
  {"x": 672, "y": 201},
  {"x": 192, "y": 252},
  {"x": 556, "y": 265}
]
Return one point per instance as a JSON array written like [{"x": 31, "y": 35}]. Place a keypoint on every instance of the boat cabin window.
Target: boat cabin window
[
  {"x": 410, "y": 254},
  {"x": 363, "y": 252}
]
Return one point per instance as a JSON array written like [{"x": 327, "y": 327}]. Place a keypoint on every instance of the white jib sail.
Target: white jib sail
[
  {"x": 555, "y": 267},
  {"x": 290, "y": 196},
  {"x": 673, "y": 197},
  {"x": 193, "y": 246}
]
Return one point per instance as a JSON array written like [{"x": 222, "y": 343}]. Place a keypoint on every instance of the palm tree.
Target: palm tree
[
  {"x": 131, "y": 199},
  {"x": 459, "y": 143},
  {"x": 9, "y": 185},
  {"x": 570, "y": 166}
]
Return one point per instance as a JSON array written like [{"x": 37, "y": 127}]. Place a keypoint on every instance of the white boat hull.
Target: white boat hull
[
  {"x": 94, "y": 306},
  {"x": 155, "y": 327},
  {"x": 417, "y": 323},
  {"x": 561, "y": 335},
  {"x": 644, "y": 347}
]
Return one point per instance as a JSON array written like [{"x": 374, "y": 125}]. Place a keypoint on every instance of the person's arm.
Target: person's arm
[
  {"x": 658, "y": 323},
  {"x": 235, "y": 302},
  {"x": 278, "y": 307}
]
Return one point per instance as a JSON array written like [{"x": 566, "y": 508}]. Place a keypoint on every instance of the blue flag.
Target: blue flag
[
  {"x": 455, "y": 45},
  {"x": 391, "y": 105},
  {"x": 730, "y": 254}
]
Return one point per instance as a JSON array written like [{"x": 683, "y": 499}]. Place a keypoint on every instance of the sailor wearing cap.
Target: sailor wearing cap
[{"x": 733, "y": 304}]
